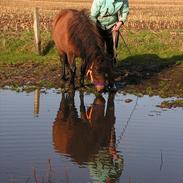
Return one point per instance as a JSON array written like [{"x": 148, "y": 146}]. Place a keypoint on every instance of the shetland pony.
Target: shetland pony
[{"x": 75, "y": 35}]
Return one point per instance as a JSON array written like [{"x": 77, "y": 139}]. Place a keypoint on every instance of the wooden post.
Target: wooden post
[
  {"x": 37, "y": 31},
  {"x": 4, "y": 42},
  {"x": 36, "y": 101},
  {"x": 4, "y": 39}
]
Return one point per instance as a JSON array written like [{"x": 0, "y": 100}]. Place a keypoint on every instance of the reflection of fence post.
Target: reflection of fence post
[
  {"x": 36, "y": 101},
  {"x": 37, "y": 31}
]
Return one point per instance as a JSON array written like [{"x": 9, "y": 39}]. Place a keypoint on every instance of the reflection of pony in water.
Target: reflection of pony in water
[
  {"x": 89, "y": 138},
  {"x": 75, "y": 35}
]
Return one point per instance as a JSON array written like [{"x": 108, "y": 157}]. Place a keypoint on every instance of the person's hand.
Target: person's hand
[{"x": 117, "y": 26}]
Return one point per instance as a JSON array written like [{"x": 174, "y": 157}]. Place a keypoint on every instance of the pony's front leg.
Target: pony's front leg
[
  {"x": 72, "y": 78},
  {"x": 111, "y": 81},
  {"x": 82, "y": 107}
]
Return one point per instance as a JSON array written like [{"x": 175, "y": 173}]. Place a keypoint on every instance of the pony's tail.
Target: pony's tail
[
  {"x": 51, "y": 43},
  {"x": 48, "y": 47}
]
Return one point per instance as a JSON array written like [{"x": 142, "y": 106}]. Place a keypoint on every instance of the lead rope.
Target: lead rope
[
  {"x": 125, "y": 44},
  {"x": 127, "y": 122}
]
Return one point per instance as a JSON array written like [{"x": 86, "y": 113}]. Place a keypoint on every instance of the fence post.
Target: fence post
[
  {"x": 5, "y": 28},
  {"x": 37, "y": 31}
]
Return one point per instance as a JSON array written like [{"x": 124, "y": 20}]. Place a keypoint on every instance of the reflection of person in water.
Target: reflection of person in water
[
  {"x": 107, "y": 164},
  {"x": 89, "y": 138}
]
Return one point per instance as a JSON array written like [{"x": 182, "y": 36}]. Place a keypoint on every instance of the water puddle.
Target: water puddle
[{"x": 80, "y": 137}]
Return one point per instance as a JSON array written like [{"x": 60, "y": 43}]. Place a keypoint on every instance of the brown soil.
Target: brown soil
[
  {"x": 166, "y": 83},
  {"x": 29, "y": 74}
]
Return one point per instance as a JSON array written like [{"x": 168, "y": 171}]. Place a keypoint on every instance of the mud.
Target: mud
[{"x": 163, "y": 79}]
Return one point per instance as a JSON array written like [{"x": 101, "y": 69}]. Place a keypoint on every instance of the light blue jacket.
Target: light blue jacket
[{"x": 108, "y": 12}]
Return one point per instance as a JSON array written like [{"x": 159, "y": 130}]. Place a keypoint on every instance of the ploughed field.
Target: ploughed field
[{"x": 16, "y": 15}]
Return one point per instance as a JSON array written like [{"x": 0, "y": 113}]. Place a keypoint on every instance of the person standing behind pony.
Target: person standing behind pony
[{"x": 109, "y": 16}]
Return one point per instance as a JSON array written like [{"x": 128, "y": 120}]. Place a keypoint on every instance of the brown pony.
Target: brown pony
[{"x": 75, "y": 35}]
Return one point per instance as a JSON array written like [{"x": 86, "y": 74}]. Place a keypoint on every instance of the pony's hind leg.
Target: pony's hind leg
[
  {"x": 64, "y": 67},
  {"x": 71, "y": 61}
]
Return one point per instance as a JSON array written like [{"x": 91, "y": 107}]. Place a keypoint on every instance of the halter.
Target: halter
[{"x": 90, "y": 74}]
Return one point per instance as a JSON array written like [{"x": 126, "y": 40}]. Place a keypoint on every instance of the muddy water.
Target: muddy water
[{"x": 83, "y": 138}]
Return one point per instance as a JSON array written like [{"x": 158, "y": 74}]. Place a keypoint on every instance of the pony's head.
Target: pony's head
[{"x": 100, "y": 73}]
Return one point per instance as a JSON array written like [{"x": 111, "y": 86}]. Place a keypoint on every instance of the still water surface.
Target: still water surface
[{"x": 83, "y": 138}]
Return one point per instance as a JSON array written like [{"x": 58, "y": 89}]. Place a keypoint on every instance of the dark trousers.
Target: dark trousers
[{"x": 111, "y": 41}]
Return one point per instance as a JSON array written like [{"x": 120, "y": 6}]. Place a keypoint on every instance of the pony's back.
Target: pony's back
[
  {"x": 60, "y": 30},
  {"x": 74, "y": 31}
]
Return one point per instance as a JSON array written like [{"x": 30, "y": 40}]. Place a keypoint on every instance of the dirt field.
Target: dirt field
[{"x": 144, "y": 14}]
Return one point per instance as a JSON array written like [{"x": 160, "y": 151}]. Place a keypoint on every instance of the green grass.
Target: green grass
[
  {"x": 18, "y": 48},
  {"x": 171, "y": 104},
  {"x": 162, "y": 44}
]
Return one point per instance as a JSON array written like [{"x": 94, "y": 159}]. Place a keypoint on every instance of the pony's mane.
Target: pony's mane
[{"x": 85, "y": 36}]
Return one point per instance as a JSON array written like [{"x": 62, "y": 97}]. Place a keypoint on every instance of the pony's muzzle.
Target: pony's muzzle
[{"x": 100, "y": 87}]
